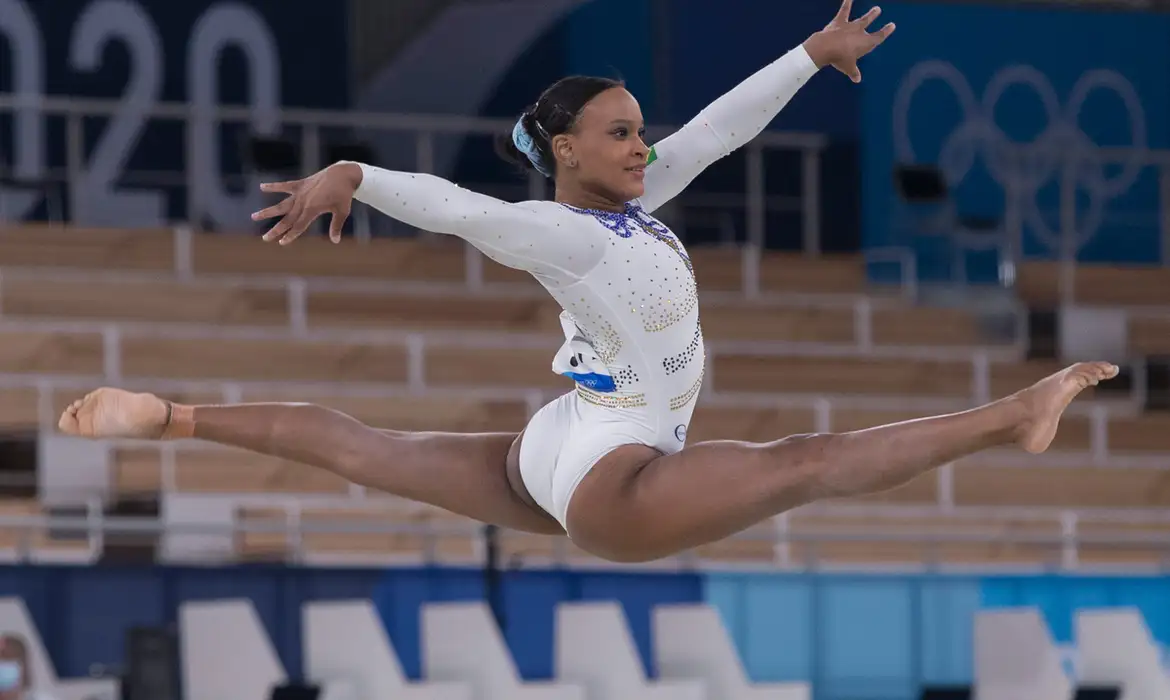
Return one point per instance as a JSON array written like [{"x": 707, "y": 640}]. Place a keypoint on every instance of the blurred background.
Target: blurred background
[{"x": 992, "y": 201}]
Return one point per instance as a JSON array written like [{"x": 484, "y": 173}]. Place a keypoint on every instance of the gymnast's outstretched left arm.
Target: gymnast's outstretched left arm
[{"x": 741, "y": 114}]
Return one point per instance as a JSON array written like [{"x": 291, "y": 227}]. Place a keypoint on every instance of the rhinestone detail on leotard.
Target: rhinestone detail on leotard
[
  {"x": 633, "y": 219},
  {"x": 659, "y": 309},
  {"x": 681, "y": 360}
]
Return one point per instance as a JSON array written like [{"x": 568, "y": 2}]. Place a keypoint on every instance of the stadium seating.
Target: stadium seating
[{"x": 385, "y": 331}]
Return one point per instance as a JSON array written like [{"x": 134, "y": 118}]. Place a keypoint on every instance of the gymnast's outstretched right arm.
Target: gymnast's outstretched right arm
[
  {"x": 740, "y": 115},
  {"x": 538, "y": 237}
]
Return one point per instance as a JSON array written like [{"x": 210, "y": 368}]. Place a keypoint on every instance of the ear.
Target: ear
[{"x": 562, "y": 148}]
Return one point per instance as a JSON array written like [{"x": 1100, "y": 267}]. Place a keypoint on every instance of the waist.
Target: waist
[{"x": 677, "y": 392}]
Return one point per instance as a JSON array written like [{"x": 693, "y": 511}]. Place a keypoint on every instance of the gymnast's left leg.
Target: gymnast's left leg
[{"x": 638, "y": 505}]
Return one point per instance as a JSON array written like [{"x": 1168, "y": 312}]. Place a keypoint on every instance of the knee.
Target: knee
[{"x": 352, "y": 450}]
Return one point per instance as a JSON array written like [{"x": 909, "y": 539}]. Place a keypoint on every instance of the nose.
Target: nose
[{"x": 640, "y": 147}]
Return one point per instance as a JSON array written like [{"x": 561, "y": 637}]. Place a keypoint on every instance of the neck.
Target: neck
[{"x": 577, "y": 196}]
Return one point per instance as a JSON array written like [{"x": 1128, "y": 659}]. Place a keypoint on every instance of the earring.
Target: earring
[{"x": 572, "y": 164}]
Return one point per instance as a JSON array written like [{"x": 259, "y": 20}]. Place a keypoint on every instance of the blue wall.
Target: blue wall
[
  {"x": 883, "y": 637},
  {"x": 82, "y": 612},
  {"x": 852, "y": 636},
  {"x": 594, "y": 46},
  {"x": 1095, "y": 74},
  {"x": 301, "y": 39},
  {"x": 855, "y": 637},
  {"x": 306, "y": 80},
  {"x": 713, "y": 46},
  {"x": 1060, "y": 597}
]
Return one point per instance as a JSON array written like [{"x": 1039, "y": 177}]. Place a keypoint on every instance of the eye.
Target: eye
[
  {"x": 621, "y": 132},
  {"x": 642, "y": 132}
]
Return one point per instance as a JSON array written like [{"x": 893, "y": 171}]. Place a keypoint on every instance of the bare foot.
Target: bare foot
[
  {"x": 1046, "y": 400},
  {"x": 114, "y": 413}
]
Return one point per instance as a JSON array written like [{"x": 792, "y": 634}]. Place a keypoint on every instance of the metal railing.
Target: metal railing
[
  {"x": 1058, "y": 199},
  {"x": 415, "y": 344},
  {"x": 209, "y": 199},
  {"x": 205, "y": 187},
  {"x": 473, "y": 278},
  {"x": 1059, "y": 547}
]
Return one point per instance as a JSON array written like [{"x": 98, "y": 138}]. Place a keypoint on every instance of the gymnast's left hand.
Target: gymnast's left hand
[
  {"x": 844, "y": 41},
  {"x": 329, "y": 191}
]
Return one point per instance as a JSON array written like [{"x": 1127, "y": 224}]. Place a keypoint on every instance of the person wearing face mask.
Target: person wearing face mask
[{"x": 15, "y": 676}]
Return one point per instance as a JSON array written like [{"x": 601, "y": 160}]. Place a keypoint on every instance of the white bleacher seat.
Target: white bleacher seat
[
  {"x": 346, "y": 642},
  {"x": 1115, "y": 648},
  {"x": 461, "y": 642},
  {"x": 1016, "y": 659},
  {"x": 227, "y": 652},
  {"x": 691, "y": 642},
  {"x": 594, "y": 649}
]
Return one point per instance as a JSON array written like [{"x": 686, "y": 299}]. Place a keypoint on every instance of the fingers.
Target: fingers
[
  {"x": 298, "y": 226},
  {"x": 882, "y": 34},
  {"x": 295, "y": 232},
  {"x": 291, "y": 226},
  {"x": 875, "y": 40},
  {"x": 287, "y": 187},
  {"x": 307, "y": 200},
  {"x": 868, "y": 18},
  {"x": 276, "y": 232},
  {"x": 337, "y": 223},
  {"x": 843, "y": 13},
  {"x": 275, "y": 210},
  {"x": 284, "y": 233}
]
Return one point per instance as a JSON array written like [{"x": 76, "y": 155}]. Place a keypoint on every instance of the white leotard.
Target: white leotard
[{"x": 633, "y": 342}]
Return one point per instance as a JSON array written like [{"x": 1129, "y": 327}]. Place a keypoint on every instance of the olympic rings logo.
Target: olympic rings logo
[{"x": 1023, "y": 168}]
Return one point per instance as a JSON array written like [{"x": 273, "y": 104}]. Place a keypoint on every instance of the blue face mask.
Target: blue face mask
[{"x": 9, "y": 675}]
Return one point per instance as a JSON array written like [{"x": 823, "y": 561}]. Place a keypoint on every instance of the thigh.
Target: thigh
[
  {"x": 466, "y": 474},
  {"x": 563, "y": 443},
  {"x": 639, "y": 505}
]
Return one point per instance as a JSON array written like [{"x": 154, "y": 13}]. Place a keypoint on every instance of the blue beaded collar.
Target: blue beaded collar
[
  {"x": 623, "y": 222},
  {"x": 634, "y": 218}
]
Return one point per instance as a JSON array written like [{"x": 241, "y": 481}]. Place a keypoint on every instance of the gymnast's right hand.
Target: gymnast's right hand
[{"x": 329, "y": 191}]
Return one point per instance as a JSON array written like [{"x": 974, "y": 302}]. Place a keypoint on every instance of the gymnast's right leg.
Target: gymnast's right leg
[{"x": 467, "y": 474}]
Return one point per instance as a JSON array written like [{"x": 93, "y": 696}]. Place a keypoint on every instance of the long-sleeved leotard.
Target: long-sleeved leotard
[
  {"x": 725, "y": 125},
  {"x": 623, "y": 279}
]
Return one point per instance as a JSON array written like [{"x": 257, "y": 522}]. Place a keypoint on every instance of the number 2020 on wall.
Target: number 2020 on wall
[{"x": 95, "y": 192}]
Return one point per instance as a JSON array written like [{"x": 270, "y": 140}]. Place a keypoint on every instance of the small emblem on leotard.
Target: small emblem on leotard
[{"x": 680, "y": 433}]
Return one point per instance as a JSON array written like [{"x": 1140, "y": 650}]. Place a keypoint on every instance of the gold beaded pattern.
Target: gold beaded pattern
[
  {"x": 665, "y": 314},
  {"x": 686, "y": 397},
  {"x": 612, "y": 400}
]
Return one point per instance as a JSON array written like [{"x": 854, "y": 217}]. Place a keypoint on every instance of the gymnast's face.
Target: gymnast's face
[{"x": 605, "y": 152}]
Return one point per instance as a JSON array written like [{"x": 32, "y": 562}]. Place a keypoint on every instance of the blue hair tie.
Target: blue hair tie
[{"x": 527, "y": 146}]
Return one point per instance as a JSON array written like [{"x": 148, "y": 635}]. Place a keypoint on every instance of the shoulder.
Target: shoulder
[
  {"x": 541, "y": 206},
  {"x": 550, "y": 208},
  {"x": 546, "y": 210},
  {"x": 559, "y": 215}
]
